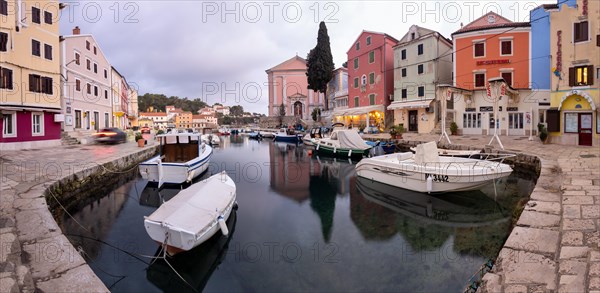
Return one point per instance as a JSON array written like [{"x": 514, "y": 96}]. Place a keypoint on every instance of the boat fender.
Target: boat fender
[
  {"x": 318, "y": 145},
  {"x": 334, "y": 150},
  {"x": 223, "y": 225},
  {"x": 429, "y": 183},
  {"x": 235, "y": 205},
  {"x": 349, "y": 153}
]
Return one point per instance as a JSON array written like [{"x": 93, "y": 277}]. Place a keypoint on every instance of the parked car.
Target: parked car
[
  {"x": 110, "y": 135},
  {"x": 145, "y": 129}
]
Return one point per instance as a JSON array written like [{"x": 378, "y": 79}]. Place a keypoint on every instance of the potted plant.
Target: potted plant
[
  {"x": 400, "y": 129},
  {"x": 453, "y": 128},
  {"x": 393, "y": 132},
  {"x": 543, "y": 134},
  {"x": 140, "y": 139}
]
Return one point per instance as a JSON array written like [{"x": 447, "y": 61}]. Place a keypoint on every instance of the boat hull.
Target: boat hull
[
  {"x": 287, "y": 138},
  {"x": 175, "y": 173},
  {"x": 340, "y": 152},
  {"x": 463, "y": 177}
]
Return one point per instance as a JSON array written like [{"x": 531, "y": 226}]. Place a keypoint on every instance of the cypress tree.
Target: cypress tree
[{"x": 320, "y": 62}]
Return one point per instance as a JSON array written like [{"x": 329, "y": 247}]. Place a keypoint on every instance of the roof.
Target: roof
[
  {"x": 370, "y": 32},
  {"x": 153, "y": 114},
  {"x": 295, "y": 58},
  {"x": 482, "y": 24},
  {"x": 422, "y": 33}
]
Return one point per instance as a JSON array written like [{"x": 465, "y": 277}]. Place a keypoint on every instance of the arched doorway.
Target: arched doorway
[
  {"x": 298, "y": 109},
  {"x": 577, "y": 109}
]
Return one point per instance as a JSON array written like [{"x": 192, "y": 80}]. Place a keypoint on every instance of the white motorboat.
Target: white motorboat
[
  {"x": 454, "y": 153},
  {"x": 287, "y": 135},
  {"x": 182, "y": 157},
  {"x": 427, "y": 171},
  {"x": 343, "y": 143},
  {"x": 315, "y": 134},
  {"x": 267, "y": 134},
  {"x": 211, "y": 139},
  {"x": 194, "y": 215}
]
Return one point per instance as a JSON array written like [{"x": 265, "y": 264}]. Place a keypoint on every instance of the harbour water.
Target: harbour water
[{"x": 304, "y": 223}]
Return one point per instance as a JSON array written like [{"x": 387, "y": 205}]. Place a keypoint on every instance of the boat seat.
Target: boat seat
[{"x": 427, "y": 153}]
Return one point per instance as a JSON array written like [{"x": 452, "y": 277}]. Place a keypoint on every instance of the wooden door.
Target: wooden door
[{"x": 585, "y": 129}]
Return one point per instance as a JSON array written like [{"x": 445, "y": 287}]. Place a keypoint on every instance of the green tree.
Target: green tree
[
  {"x": 320, "y": 62},
  {"x": 316, "y": 114},
  {"x": 236, "y": 111},
  {"x": 281, "y": 114}
]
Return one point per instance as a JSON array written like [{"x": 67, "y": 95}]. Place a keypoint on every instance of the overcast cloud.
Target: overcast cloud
[{"x": 219, "y": 51}]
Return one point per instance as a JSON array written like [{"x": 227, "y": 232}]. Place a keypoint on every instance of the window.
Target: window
[
  {"x": 105, "y": 73},
  {"x": 420, "y": 49},
  {"x": 580, "y": 31},
  {"x": 479, "y": 49},
  {"x": 404, "y": 93},
  {"x": 515, "y": 120},
  {"x": 95, "y": 68},
  {"x": 420, "y": 69},
  {"x": 47, "y": 17},
  {"x": 78, "y": 85},
  {"x": 89, "y": 89},
  {"x": 421, "y": 91},
  {"x": 35, "y": 48},
  {"x": 95, "y": 91},
  {"x": 88, "y": 64},
  {"x": 355, "y": 63},
  {"x": 356, "y": 82},
  {"x": 6, "y": 78},
  {"x": 507, "y": 77},
  {"x": 40, "y": 84},
  {"x": 87, "y": 45},
  {"x": 571, "y": 122},
  {"x": 9, "y": 124},
  {"x": 403, "y": 72},
  {"x": 372, "y": 78},
  {"x": 357, "y": 46},
  {"x": 355, "y": 101},
  {"x": 506, "y": 48},
  {"x": 47, "y": 51},
  {"x": 77, "y": 58},
  {"x": 37, "y": 123},
  {"x": 3, "y": 42},
  {"x": 479, "y": 79},
  {"x": 105, "y": 94},
  {"x": 403, "y": 53},
  {"x": 106, "y": 120},
  {"x": 472, "y": 120},
  {"x": 95, "y": 52},
  {"x": 581, "y": 75},
  {"x": 363, "y": 80},
  {"x": 412, "y": 36},
  {"x": 4, "y": 7},
  {"x": 372, "y": 99},
  {"x": 368, "y": 40},
  {"x": 371, "y": 57},
  {"x": 35, "y": 15}
]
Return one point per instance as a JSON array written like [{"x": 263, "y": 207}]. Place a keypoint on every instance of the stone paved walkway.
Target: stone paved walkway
[
  {"x": 34, "y": 254},
  {"x": 555, "y": 246},
  {"x": 556, "y": 243}
]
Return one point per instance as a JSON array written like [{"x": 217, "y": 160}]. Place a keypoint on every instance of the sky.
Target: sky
[{"x": 218, "y": 51}]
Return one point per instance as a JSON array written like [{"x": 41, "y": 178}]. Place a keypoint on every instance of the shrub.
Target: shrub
[
  {"x": 138, "y": 136},
  {"x": 453, "y": 128}
]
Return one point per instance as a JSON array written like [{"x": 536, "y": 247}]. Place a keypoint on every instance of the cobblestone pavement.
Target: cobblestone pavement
[
  {"x": 554, "y": 247},
  {"x": 34, "y": 254}
]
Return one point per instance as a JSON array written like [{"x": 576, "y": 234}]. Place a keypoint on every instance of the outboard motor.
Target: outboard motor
[{"x": 376, "y": 151}]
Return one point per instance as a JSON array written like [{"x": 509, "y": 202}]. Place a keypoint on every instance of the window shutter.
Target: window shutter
[
  {"x": 584, "y": 31},
  {"x": 31, "y": 81},
  {"x": 590, "y": 75},
  {"x": 553, "y": 120},
  {"x": 572, "y": 76}
]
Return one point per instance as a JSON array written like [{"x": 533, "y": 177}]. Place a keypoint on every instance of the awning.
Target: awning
[
  {"x": 31, "y": 109},
  {"x": 358, "y": 110},
  {"x": 410, "y": 104}
]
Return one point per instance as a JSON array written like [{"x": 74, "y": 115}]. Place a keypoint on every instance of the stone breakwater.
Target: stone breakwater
[{"x": 36, "y": 187}]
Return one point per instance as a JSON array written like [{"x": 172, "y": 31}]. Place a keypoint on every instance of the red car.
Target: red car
[{"x": 110, "y": 135}]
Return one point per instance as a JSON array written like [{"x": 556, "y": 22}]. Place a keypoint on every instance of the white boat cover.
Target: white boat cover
[
  {"x": 198, "y": 205},
  {"x": 350, "y": 139},
  {"x": 427, "y": 153}
]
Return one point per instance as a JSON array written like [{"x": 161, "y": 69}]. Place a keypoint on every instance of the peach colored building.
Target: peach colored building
[
  {"x": 288, "y": 86},
  {"x": 86, "y": 87},
  {"x": 29, "y": 74}
]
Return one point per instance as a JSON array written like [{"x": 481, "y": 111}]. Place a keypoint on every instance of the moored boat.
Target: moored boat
[
  {"x": 343, "y": 143},
  {"x": 194, "y": 215},
  {"x": 254, "y": 135},
  {"x": 182, "y": 157},
  {"x": 287, "y": 135},
  {"x": 427, "y": 171}
]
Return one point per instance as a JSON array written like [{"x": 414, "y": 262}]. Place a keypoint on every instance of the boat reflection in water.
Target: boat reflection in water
[
  {"x": 195, "y": 266},
  {"x": 477, "y": 223}
]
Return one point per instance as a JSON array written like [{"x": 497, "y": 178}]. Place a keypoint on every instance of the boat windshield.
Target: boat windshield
[{"x": 179, "y": 148}]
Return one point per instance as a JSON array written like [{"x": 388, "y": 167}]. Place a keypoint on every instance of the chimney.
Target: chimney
[{"x": 76, "y": 30}]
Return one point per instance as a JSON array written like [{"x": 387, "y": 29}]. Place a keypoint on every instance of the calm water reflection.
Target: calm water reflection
[{"x": 304, "y": 224}]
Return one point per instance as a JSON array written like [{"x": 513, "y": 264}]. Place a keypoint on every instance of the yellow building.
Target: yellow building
[
  {"x": 29, "y": 74},
  {"x": 575, "y": 49}
]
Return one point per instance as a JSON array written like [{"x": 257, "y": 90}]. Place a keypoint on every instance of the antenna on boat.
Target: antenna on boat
[
  {"x": 493, "y": 91},
  {"x": 444, "y": 95}
]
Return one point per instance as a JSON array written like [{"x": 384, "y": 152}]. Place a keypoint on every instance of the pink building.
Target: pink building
[
  {"x": 370, "y": 80},
  {"x": 288, "y": 86}
]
